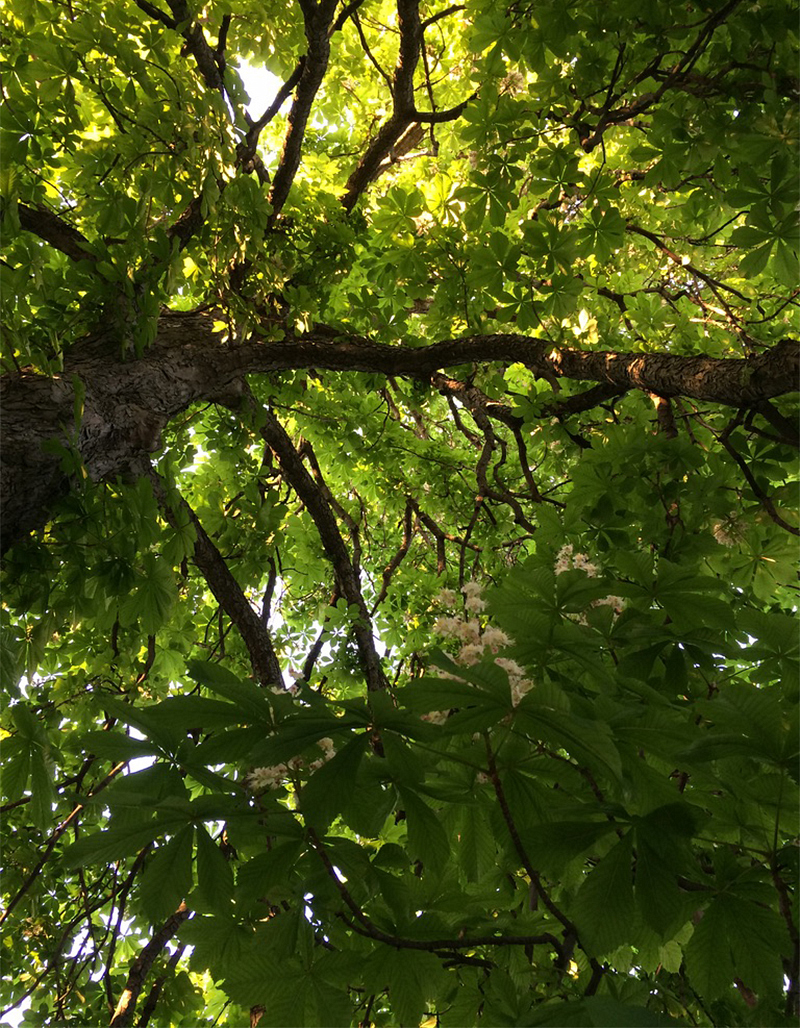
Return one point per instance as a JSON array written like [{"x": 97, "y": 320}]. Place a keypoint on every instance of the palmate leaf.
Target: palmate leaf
[
  {"x": 43, "y": 791},
  {"x": 15, "y": 768},
  {"x": 218, "y": 943},
  {"x": 709, "y": 961},
  {"x": 146, "y": 721},
  {"x": 663, "y": 907},
  {"x": 116, "y": 746},
  {"x": 11, "y": 666},
  {"x": 474, "y": 845},
  {"x": 287, "y": 932},
  {"x": 604, "y": 906},
  {"x": 297, "y": 733},
  {"x": 427, "y": 839},
  {"x": 412, "y": 976},
  {"x": 552, "y": 846},
  {"x": 370, "y": 802},
  {"x": 167, "y": 879},
  {"x": 328, "y": 791},
  {"x": 601, "y": 1012},
  {"x": 184, "y": 713},
  {"x": 269, "y": 877},
  {"x": 114, "y": 843},
  {"x": 214, "y": 874},
  {"x": 248, "y": 698},
  {"x": 431, "y": 693},
  {"x": 589, "y": 742},
  {"x": 737, "y": 939},
  {"x": 293, "y": 996},
  {"x": 153, "y": 597}
]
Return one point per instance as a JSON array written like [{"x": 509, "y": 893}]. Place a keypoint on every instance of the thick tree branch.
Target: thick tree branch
[
  {"x": 347, "y": 581},
  {"x": 128, "y": 403},
  {"x": 318, "y": 18},
  {"x": 55, "y": 231},
  {"x": 226, "y": 590},
  {"x": 210, "y": 62},
  {"x": 404, "y": 111},
  {"x": 153, "y": 996},
  {"x": 140, "y": 968}
]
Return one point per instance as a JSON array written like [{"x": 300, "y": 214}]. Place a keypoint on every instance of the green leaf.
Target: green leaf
[
  {"x": 111, "y": 844},
  {"x": 552, "y": 846},
  {"x": 15, "y": 768},
  {"x": 604, "y": 905},
  {"x": 167, "y": 879},
  {"x": 328, "y": 791},
  {"x": 219, "y": 943},
  {"x": 43, "y": 792},
  {"x": 427, "y": 840},
  {"x": 250, "y": 700},
  {"x": 214, "y": 874},
  {"x": 296, "y": 734},
  {"x": 116, "y": 746},
  {"x": 709, "y": 961},
  {"x": 411, "y": 977}
]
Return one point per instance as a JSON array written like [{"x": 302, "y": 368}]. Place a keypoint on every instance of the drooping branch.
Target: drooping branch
[
  {"x": 312, "y": 495},
  {"x": 364, "y": 926},
  {"x": 761, "y": 496},
  {"x": 614, "y": 111},
  {"x": 397, "y": 559},
  {"x": 225, "y": 588}
]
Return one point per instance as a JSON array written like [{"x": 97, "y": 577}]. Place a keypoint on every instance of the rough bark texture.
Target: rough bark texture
[
  {"x": 128, "y": 402},
  {"x": 123, "y": 1015}
]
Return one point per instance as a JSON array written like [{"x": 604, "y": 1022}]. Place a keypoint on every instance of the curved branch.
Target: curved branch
[
  {"x": 128, "y": 403},
  {"x": 226, "y": 589},
  {"x": 55, "y": 231},
  {"x": 140, "y": 968},
  {"x": 347, "y": 581},
  {"x": 761, "y": 496},
  {"x": 404, "y": 112},
  {"x": 364, "y": 926},
  {"x": 318, "y": 18}
]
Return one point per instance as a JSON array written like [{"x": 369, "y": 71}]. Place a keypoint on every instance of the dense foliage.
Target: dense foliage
[{"x": 399, "y": 528}]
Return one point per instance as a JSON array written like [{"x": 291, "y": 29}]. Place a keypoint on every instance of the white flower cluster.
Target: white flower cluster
[
  {"x": 513, "y": 83},
  {"x": 730, "y": 531},
  {"x": 516, "y": 678},
  {"x": 262, "y": 778},
  {"x": 617, "y": 602},
  {"x": 436, "y": 717},
  {"x": 566, "y": 560},
  {"x": 476, "y": 640}
]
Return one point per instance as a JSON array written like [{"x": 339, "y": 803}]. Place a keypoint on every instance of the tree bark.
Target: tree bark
[{"x": 128, "y": 401}]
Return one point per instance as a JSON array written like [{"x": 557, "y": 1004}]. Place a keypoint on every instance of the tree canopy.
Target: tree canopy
[{"x": 399, "y": 525}]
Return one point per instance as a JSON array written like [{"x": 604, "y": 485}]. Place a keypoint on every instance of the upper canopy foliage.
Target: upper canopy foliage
[{"x": 480, "y": 333}]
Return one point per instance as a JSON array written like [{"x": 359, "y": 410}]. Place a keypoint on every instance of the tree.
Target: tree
[{"x": 398, "y": 523}]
